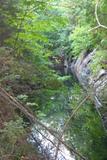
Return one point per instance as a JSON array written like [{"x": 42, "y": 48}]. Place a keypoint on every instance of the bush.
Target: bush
[{"x": 81, "y": 39}]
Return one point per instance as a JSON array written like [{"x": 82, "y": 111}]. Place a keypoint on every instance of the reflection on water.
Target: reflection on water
[
  {"x": 46, "y": 144},
  {"x": 55, "y": 117}
]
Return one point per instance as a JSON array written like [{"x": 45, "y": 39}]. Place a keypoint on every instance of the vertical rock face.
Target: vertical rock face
[{"x": 96, "y": 86}]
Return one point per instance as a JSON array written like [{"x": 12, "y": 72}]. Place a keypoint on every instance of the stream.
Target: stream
[
  {"x": 47, "y": 144},
  {"x": 44, "y": 141}
]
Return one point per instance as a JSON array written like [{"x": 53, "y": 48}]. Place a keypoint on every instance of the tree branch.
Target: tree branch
[
  {"x": 11, "y": 100},
  {"x": 97, "y": 18},
  {"x": 67, "y": 122}
]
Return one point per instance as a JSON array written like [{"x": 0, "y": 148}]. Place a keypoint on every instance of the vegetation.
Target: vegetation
[
  {"x": 86, "y": 130},
  {"x": 99, "y": 60},
  {"x": 36, "y": 37}
]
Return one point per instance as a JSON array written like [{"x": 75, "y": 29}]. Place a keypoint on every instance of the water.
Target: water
[
  {"x": 46, "y": 144},
  {"x": 55, "y": 118}
]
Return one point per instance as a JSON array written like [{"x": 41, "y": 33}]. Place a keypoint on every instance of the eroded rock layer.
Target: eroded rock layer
[{"x": 96, "y": 85}]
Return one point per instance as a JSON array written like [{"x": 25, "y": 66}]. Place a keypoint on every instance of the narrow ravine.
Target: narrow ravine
[{"x": 53, "y": 80}]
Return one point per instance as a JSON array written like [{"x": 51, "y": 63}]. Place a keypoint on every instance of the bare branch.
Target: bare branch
[
  {"x": 96, "y": 13},
  {"x": 67, "y": 122},
  {"x": 97, "y": 18},
  {"x": 94, "y": 28}
]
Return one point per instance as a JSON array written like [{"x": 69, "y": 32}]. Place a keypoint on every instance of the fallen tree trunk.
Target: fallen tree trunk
[{"x": 34, "y": 120}]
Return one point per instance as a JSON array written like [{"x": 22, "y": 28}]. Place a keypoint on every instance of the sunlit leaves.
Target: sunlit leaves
[{"x": 81, "y": 39}]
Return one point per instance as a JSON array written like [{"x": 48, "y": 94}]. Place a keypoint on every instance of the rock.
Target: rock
[{"x": 96, "y": 86}]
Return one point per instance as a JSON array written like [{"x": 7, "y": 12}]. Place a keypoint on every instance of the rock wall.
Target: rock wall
[{"x": 96, "y": 86}]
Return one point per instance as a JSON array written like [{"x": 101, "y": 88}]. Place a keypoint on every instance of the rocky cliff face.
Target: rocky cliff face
[{"x": 96, "y": 86}]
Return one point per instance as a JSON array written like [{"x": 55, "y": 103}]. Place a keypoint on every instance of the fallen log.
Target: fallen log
[{"x": 34, "y": 120}]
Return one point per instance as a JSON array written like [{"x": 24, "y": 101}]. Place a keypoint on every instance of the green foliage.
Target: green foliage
[
  {"x": 64, "y": 78},
  {"x": 98, "y": 62},
  {"x": 32, "y": 32},
  {"x": 22, "y": 97},
  {"x": 13, "y": 140},
  {"x": 82, "y": 21},
  {"x": 82, "y": 39},
  {"x": 13, "y": 130},
  {"x": 86, "y": 131}
]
